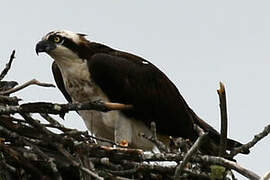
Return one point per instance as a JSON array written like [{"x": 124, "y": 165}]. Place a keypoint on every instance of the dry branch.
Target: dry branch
[
  {"x": 31, "y": 149},
  {"x": 228, "y": 164},
  {"x": 154, "y": 138},
  {"x": 266, "y": 176},
  {"x": 8, "y": 66},
  {"x": 188, "y": 156},
  {"x": 252, "y": 143},
  {"x": 65, "y": 142},
  {"x": 224, "y": 120},
  {"x": 61, "y": 109},
  {"x": 28, "y": 83},
  {"x": 9, "y": 100}
]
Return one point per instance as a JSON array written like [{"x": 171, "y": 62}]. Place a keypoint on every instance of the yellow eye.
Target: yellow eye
[{"x": 57, "y": 39}]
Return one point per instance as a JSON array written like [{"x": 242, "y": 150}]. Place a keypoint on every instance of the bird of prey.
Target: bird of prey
[{"x": 89, "y": 71}]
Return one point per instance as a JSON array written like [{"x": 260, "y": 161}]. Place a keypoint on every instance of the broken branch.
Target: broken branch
[
  {"x": 224, "y": 120},
  {"x": 8, "y": 66}
]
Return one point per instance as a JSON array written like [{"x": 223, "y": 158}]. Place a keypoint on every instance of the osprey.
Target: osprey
[{"x": 89, "y": 71}]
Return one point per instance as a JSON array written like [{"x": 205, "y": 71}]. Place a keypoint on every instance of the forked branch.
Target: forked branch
[{"x": 28, "y": 83}]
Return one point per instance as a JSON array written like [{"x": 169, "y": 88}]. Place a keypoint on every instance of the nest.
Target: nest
[{"x": 43, "y": 148}]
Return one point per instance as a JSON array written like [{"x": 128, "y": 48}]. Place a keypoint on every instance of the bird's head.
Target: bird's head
[{"x": 62, "y": 44}]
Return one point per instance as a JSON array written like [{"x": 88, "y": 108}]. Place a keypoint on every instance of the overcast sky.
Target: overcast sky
[{"x": 196, "y": 43}]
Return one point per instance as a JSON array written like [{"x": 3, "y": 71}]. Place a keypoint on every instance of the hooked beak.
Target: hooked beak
[{"x": 45, "y": 46}]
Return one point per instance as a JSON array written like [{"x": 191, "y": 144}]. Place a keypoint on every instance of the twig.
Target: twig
[
  {"x": 201, "y": 175},
  {"x": 115, "y": 154},
  {"x": 88, "y": 171},
  {"x": 52, "y": 121},
  {"x": 224, "y": 119},
  {"x": 9, "y": 100},
  {"x": 105, "y": 161},
  {"x": 151, "y": 157},
  {"x": 6, "y": 85},
  {"x": 68, "y": 156},
  {"x": 59, "y": 146},
  {"x": 183, "y": 144},
  {"x": 199, "y": 130},
  {"x": 232, "y": 175},
  {"x": 159, "y": 168},
  {"x": 54, "y": 168},
  {"x": 266, "y": 176},
  {"x": 38, "y": 151},
  {"x": 228, "y": 164},
  {"x": 250, "y": 144},
  {"x": 87, "y": 135},
  {"x": 16, "y": 156},
  {"x": 124, "y": 172},
  {"x": 51, "y": 108},
  {"x": 28, "y": 83},
  {"x": 9, "y": 167},
  {"x": 158, "y": 143},
  {"x": 189, "y": 154},
  {"x": 154, "y": 138},
  {"x": 147, "y": 167},
  {"x": 8, "y": 65}
]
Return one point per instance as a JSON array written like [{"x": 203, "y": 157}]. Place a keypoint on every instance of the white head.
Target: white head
[{"x": 62, "y": 44}]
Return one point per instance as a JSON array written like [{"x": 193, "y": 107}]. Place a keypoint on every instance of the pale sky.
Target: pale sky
[{"x": 196, "y": 43}]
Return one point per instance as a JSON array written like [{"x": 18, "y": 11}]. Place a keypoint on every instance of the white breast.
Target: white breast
[
  {"x": 110, "y": 125},
  {"x": 81, "y": 88}
]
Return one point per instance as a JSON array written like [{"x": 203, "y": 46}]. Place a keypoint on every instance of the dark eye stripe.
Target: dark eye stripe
[
  {"x": 66, "y": 42},
  {"x": 51, "y": 38},
  {"x": 70, "y": 45}
]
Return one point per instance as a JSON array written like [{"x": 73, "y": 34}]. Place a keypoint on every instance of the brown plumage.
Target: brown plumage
[{"x": 128, "y": 79}]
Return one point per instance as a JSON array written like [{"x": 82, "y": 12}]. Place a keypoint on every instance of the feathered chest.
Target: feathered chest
[{"x": 79, "y": 84}]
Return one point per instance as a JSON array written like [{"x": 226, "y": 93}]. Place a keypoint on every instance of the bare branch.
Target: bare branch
[
  {"x": 29, "y": 148},
  {"x": 8, "y": 66},
  {"x": 224, "y": 120},
  {"x": 59, "y": 146},
  {"x": 154, "y": 138},
  {"x": 252, "y": 143},
  {"x": 28, "y": 83},
  {"x": 266, "y": 176},
  {"x": 91, "y": 173},
  {"x": 50, "y": 108},
  {"x": 228, "y": 164},
  {"x": 9, "y": 100},
  {"x": 189, "y": 154},
  {"x": 163, "y": 157}
]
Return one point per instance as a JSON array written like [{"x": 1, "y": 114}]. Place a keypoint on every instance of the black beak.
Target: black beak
[{"x": 45, "y": 46}]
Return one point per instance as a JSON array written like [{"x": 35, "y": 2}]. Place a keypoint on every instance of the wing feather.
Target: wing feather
[
  {"x": 59, "y": 81},
  {"x": 129, "y": 79}
]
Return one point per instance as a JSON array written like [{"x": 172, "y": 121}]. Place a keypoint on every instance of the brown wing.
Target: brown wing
[
  {"x": 129, "y": 79},
  {"x": 59, "y": 81}
]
